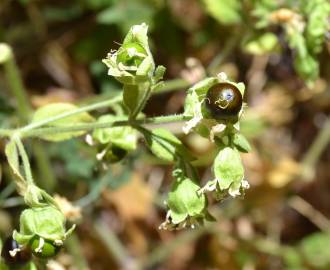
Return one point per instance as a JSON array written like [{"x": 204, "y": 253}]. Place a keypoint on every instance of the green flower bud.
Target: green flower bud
[{"x": 132, "y": 63}]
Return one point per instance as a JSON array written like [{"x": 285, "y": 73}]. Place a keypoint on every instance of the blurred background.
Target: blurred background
[{"x": 283, "y": 221}]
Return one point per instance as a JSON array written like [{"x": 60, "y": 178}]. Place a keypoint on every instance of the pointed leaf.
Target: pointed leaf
[
  {"x": 164, "y": 144},
  {"x": 241, "y": 143},
  {"x": 54, "y": 109},
  {"x": 13, "y": 160}
]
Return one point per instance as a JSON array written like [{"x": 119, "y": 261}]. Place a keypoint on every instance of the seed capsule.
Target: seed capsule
[
  {"x": 224, "y": 101},
  {"x": 13, "y": 254}
]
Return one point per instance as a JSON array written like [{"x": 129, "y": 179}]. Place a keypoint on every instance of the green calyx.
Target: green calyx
[
  {"x": 132, "y": 63},
  {"x": 203, "y": 121},
  {"x": 187, "y": 208},
  {"x": 131, "y": 55},
  {"x": 46, "y": 222},
  {"x": 229, "y": 175}
]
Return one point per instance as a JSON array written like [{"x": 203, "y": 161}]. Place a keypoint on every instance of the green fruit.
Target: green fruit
[
  {"x": 224, "y": 101},
  {"x": 131, "y": 54},
  {"x": 48, "y": 250}
]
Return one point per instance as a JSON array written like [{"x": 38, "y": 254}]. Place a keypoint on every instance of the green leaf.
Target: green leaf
[
  {"x": 307, "y": 67},
  {"x": 98, "y": 4},
  {"x": 252, "y": 125},
  {"x": 241, "y": 143},
  {"x": 13, "y": 161},
  {"x": 123, "y": 137},
  {"x": 316, "y": 250},
  {"x": 127, "y": 14},
  {"x": 225, "y": 12},
  {"x": 164, "y": 144},
  {"x": 54, "y": 109},
  {"x": 261, "y": 44},
  {"x": 292, "y": 258},
  {"x": 318, "y": 13},
  {"x": 228, "y": 168}
]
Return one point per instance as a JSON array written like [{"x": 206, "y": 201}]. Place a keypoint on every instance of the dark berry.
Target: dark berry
[
  {"x": 13, "y": 254},
  {"x": 224, "y": 101},
  {"x": 115, "y": 154}
]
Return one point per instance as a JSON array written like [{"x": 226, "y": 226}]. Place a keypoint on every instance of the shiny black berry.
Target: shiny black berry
[
  {"x": 13, "y": 254},
  {"x": 224, "y": 101},
  {"x": 115, "y": 154}
]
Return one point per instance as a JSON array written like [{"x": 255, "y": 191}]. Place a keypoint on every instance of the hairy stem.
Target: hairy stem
[
  {"x": 92, "y": 107},
  {"x": 91, "y": 126},
  {"x": 172, "y": 85},
  {"x": 142, "y": 103},
  {"x": 24, "y": 111}
]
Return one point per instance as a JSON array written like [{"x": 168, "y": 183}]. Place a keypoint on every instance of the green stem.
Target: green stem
[
  {"x": 6, "y": 132},
  {"x": 24, "y": 110},
  {"x": 96, "y": 106},
  {"x": 25, "y": 160},
  {"x": 74, "y": 248},
  {"x": 172, "y": 85},
  {"x": 87, "y": 127},
  {"x": 46, "y": 175},
  {"x": 142, "y": 103}
]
